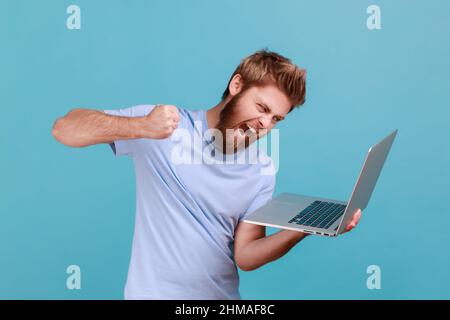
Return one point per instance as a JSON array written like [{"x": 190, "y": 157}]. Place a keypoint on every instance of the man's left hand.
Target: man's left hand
[{"x": 355, "y": 219}]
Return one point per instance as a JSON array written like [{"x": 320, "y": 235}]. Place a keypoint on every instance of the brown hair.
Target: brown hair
[{"x": 265, "y": 67}]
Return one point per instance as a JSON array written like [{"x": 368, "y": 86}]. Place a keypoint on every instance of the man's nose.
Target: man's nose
[{"x": 264, "y": 122}]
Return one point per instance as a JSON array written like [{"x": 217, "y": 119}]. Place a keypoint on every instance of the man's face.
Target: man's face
[{"x": 251, "y": 114}]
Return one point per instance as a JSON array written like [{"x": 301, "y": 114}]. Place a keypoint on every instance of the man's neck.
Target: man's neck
[{"x": 213, "y": 115}]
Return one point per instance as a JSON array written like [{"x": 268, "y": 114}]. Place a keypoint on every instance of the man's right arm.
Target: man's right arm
[{"x": 85, "y": 127}]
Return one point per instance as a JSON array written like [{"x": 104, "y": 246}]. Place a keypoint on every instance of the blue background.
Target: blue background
[{"x": 61, "y": 206}]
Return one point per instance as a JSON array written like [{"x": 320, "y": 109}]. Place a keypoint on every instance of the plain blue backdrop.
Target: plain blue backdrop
[{"x": 61, "y": 206}]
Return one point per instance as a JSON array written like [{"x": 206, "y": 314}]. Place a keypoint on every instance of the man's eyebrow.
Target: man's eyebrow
[{"x": 269, "y": 108}]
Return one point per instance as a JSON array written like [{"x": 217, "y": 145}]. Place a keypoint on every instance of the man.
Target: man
[{"x": 189, "y": 236}]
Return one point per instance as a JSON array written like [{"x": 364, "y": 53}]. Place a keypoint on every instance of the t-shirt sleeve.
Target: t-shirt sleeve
[
  {"x": 263, "y": 196},
  {"x": 128, "y": 147}
]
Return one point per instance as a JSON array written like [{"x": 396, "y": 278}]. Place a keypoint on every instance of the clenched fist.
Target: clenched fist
[{"x": 160, "y": 122}]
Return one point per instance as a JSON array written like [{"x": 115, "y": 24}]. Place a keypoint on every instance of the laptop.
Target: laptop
[{"x": 322, "y": 216}]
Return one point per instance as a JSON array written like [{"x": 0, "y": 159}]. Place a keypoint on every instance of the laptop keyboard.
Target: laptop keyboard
[{"x": 319, "y": 214}]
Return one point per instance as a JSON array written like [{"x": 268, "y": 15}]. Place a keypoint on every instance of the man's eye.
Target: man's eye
[{"x": 262, "y": 108}]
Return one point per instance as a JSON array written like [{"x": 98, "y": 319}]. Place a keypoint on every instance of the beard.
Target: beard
[{"x": 234, "y": 134}]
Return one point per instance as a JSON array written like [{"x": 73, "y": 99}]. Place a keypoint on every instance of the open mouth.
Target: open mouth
[{"x": 245, "y": 129}]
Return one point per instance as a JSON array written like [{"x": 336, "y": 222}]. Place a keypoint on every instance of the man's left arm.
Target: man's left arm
[{"x": 252, "y": 248}]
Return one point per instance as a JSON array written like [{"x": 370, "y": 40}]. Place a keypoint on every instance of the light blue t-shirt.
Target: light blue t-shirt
[{"x": 186, "y": 213}]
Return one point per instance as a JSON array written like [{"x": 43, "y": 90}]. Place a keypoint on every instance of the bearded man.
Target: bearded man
[{"x": 189, "y": 236}]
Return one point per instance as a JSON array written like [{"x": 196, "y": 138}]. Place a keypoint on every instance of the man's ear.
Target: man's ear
[{"x": 235, "y": 85}]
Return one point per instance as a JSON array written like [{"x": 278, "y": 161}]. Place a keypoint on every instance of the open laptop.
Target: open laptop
[{"x": 323, "y": 216}]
